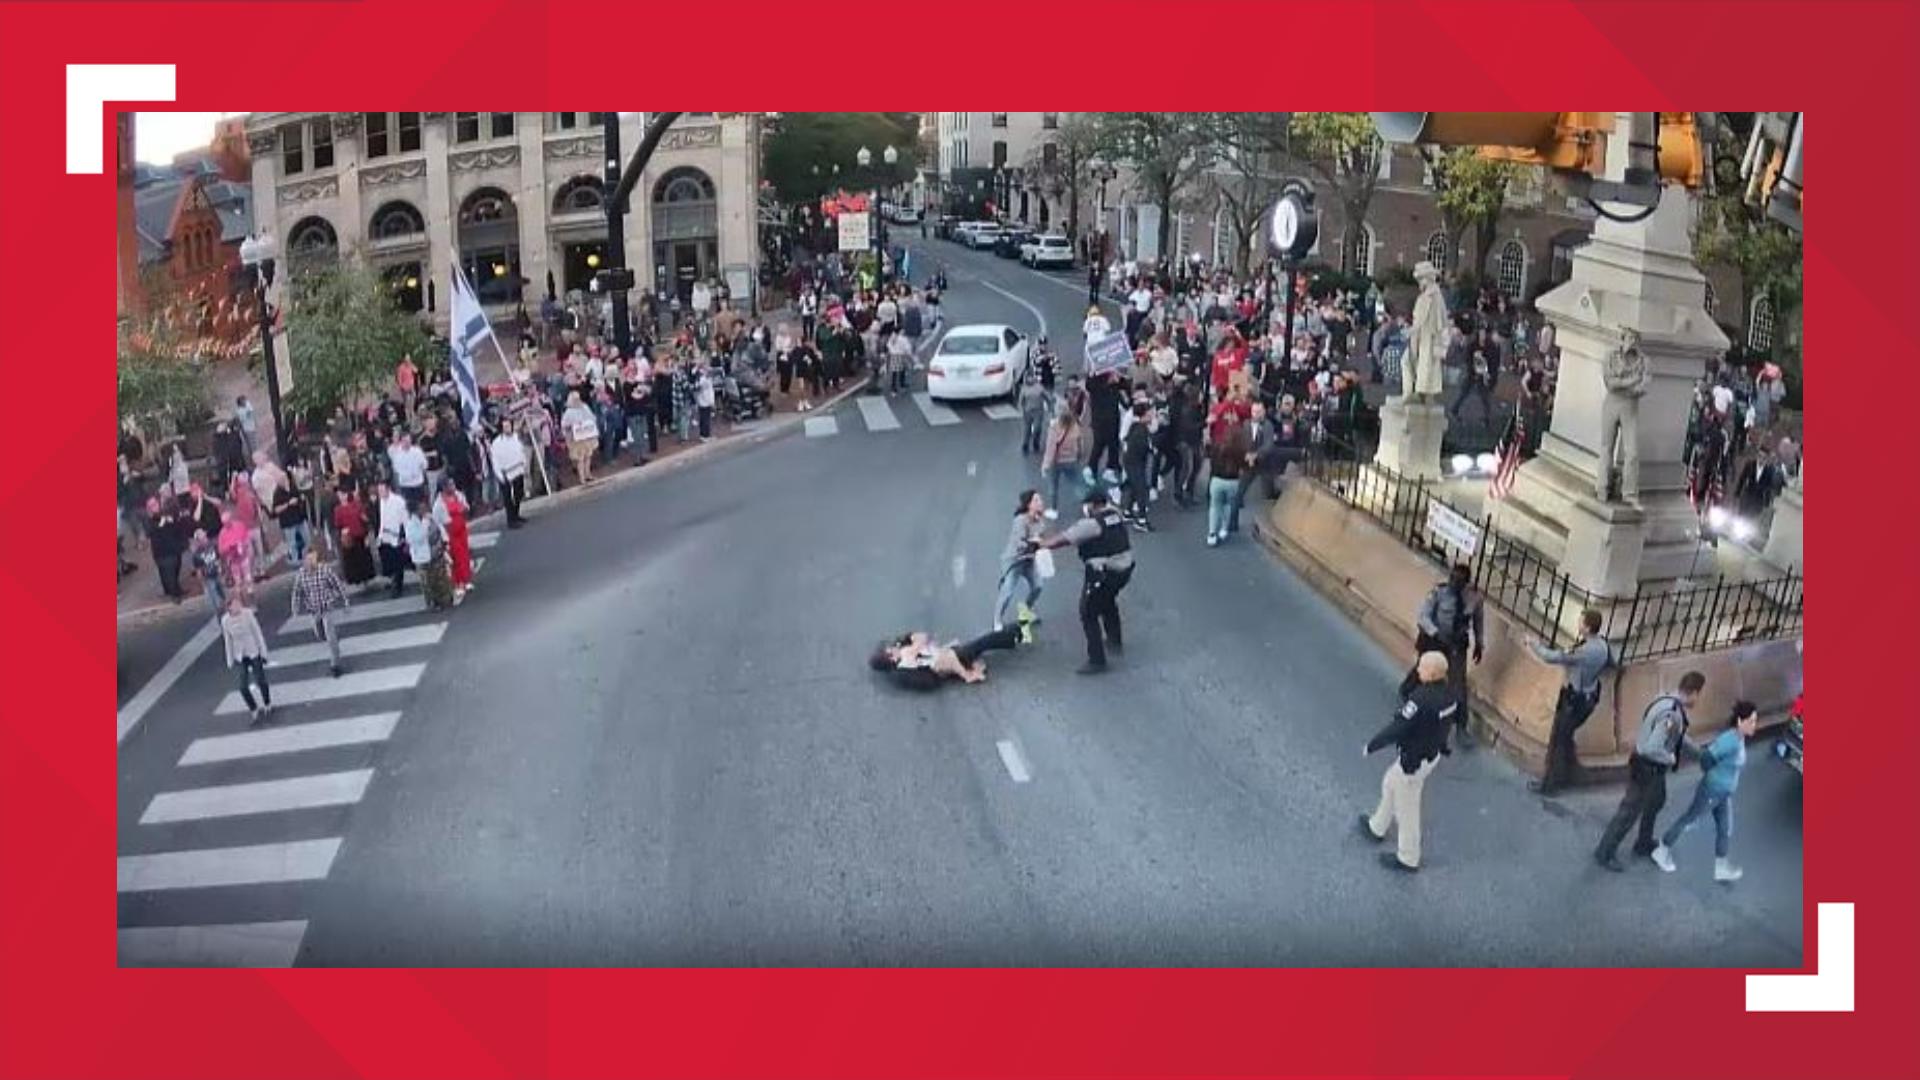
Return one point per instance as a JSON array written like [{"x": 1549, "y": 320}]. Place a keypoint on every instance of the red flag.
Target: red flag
[{"x": 1509, "y": 467}]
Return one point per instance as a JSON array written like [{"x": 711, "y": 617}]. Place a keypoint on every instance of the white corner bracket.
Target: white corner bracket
[
  {"x": 89, "y": 88},
  {"x": 1829, "y": 988}
]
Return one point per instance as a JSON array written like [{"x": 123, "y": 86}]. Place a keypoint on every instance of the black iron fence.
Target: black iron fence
[{"x": 1657, "y": 620}]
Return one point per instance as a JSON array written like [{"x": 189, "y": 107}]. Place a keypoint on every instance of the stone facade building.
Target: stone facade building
[
  {"x": 515, "y": 198},
  {"x": 180, "y": 228}
]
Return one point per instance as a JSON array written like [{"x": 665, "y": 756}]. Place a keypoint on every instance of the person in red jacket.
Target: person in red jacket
[{"x": 1230, "y": 357}]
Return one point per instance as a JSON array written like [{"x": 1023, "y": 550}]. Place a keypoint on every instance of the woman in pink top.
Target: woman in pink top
[{"x": 246, "y": 507}]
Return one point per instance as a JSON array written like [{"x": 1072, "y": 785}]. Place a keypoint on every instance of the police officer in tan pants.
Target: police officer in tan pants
[{"x": 1419, "y": 730}]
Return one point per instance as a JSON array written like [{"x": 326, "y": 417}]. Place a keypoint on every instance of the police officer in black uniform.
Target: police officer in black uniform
[
  {"x": 1106, "y": 552},
  {"x": 1418, "y": 731}
]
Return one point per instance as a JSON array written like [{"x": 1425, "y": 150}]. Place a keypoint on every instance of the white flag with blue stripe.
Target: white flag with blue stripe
[{"x": 468, "y": 331}]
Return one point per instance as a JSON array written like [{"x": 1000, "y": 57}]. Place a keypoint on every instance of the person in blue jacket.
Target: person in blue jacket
[{"x": 1723, "y": 758}]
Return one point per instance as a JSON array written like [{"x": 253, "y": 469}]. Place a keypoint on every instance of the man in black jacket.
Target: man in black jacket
[
  {"x": 1419, "y": 729},
  {"x": 1104, "y": 403}
]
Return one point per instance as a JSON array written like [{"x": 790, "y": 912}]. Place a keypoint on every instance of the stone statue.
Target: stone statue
[
  {"x": 1426, "y": 338},
  {"x": 1627, "y": 377}
]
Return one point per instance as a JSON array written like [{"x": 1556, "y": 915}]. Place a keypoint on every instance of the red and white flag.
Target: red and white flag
[{"x": 1510, "y": 454}]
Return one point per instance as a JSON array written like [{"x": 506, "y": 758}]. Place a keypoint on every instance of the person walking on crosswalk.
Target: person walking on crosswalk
[
  {"x": 246, "y": 647},
  {"x": 318, "y": 593}
]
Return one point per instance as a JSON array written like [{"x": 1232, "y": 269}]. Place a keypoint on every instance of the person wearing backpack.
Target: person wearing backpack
[{"x": 1657, "y": 750}]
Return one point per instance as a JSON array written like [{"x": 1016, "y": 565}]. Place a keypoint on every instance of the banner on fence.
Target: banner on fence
[{"x": 1451, "y": 529}]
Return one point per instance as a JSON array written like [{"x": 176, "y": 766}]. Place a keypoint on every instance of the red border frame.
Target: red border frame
[{"x": 65, "y": 1011}]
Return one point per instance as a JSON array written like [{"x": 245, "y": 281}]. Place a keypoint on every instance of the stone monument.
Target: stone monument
[
  {"x": 1636, "y": 274},
  {"x": 1413, "y": 422},
  {"x": 1627, "y": 379}
]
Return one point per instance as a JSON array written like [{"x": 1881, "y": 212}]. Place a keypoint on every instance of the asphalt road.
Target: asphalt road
[{"x": 650, "y": 738}]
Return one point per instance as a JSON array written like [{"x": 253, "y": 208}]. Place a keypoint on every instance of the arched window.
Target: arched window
[
  {"x": 488, "y": 236},
  {"x": 582, "y": 193},
  {"x": 486, "y": 205},
  {"x": 1760, "y": 325},
  {"x": 1439, "y": 252},
  {"x": 1357, "y": 248},
  {"x": 1710, "y": 301},
  {"x": 1511, "y": 270},
  {"x": 396, "y": 219},
  {"x": 311, "y": 239},
  {"x": 684, "y": 185}
]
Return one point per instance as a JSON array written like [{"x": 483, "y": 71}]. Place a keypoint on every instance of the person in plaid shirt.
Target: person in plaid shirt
[{"x": 318, "y": 591}]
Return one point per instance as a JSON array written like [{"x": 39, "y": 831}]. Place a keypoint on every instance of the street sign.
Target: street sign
[
  {"x": 855, "y": 234},
  {"x": 1451, "y": 529},
  {"x": 1108, "y": 352}
]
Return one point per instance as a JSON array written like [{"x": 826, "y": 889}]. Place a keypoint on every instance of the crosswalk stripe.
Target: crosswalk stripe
[
  {"x": 256, "y": 864},
  {"x": 260, "y": 797},
  {"x": 877, "y": 415},
  {"x": 351, "y": 684},
  {"x": 359, "y": 613},
  {"x": 483, "y": 541},
  {"x": 375, "y": 727},
  {"x": 822, "y": 426},
  {"x": 407, "y": 637},
  {"x": 1001, "y": 411},
  {"x": 937, "y": 415},
  {"x": 232, "y": 945}
]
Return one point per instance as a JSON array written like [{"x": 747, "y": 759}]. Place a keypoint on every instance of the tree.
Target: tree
[
  {"x": 1168, "y": 151},
  {"x": 1257, "y": 148},
  {"x": 1345, "y": 150},
  {"x": 347, "y": 333},
  {"x": 159, "y": 381},
  {"x": 1728, "y": 232},
  {"x": 1076, "y": 145},
  {"x": 1472, "y": 191},
  {"x": 803, "y": 149}
]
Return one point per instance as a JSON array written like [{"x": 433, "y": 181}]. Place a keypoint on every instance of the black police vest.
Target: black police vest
[{"x": 1113, "y": 538}]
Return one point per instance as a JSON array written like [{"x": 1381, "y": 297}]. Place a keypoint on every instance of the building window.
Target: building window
[
  {"x": 397, "y": 219},
  {"x": 1049, "y": 121},
  {"x": 293, "y": 153},
  {"x": 684, "y": 185},
  {"x": 999, "y": 153},
  {"x": 408, "y": 291},
  {"x": 322, "y": 143},
  {"x": 502, "y": 125},
  {"x": 376, "y": 123},
  {"x": 1710, "y": 301},
  {"x": 1049, "y": 154},
  {"x": 408, "y": 125},
  {"x": 466, "y": 127},
  {"x": 582, "y": 193},
  {"x": 572, "y": 121},
  {"x": 1357, "y": 249},
  {"x": 1440, "y": 253},
  {"x": 487, "y": 234},
  {"x": 999, "y": 119},
  {"x": 1511, "y": 270},
  {"x": 311, "y": 241},
  {"x": 1760, "y": 325}
]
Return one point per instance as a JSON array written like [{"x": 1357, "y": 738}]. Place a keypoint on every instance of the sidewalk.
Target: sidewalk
[{"x": 140, "y": 600}]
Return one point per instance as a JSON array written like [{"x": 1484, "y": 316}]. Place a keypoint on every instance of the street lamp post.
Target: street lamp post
[
  {"x": 865, "y": 159},
  {"x": 617, "y": 278},
  {"x": 257, "y": 254}
]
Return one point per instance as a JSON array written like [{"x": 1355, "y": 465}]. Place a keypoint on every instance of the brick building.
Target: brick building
[{"x": 180, "y": 230}]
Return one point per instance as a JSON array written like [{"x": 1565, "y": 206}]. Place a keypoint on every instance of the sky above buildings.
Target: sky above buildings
[{"x": 158, "y": 136}]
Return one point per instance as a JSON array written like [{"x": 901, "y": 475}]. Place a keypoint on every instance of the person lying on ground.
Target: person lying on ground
[{"x": 915, "y": 662}]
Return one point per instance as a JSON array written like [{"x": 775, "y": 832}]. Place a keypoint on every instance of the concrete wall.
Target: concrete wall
[{"x": 1380, "y": 582}]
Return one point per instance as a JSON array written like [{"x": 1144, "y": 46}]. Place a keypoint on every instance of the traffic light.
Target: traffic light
[
  {"x": 1771, "y": 166},
  {"x": 1570, "y": 142}
]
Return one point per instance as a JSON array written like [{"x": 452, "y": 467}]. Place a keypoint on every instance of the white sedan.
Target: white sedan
[
  {"x": 976, "y": 362},
  {"x": 1049, "y": 250}
]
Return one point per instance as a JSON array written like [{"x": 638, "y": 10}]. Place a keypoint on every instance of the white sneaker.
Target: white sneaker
[
  {"x": 1663, "y": 859},
  {"x": 1724, "y": 870},
  {"x": 1213, "y": 540}
]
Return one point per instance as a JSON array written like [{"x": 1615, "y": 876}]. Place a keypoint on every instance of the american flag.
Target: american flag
[{"x": 1510, "y": 453}]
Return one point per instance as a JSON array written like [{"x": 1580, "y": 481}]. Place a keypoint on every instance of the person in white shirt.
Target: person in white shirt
[
  {"x": 582, "y": 430},
  {"x": 1096, "y": 324},
  {"x": 409, "y": 467},
  {"x": 509, "y": 459},
  {"x": 392, "y": 536},
  {"x": 246, "y": 649},
  {"x": 703, "y": 400}
]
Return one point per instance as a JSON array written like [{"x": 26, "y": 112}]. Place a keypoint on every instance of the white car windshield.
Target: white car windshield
[{"x": 970, "y": 345}]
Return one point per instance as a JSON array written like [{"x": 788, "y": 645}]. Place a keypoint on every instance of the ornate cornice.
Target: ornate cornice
[
  {"x": 397, "y": 173},
  {"x": 586, "y": 146},
  {"x": 325, "y": 187},
  {"x": 698, "y": 138},
  {"x": 475, "y": 160}
]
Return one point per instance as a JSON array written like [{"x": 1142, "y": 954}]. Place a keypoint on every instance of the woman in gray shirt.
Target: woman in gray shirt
[{"x": 1017, "y": 567}]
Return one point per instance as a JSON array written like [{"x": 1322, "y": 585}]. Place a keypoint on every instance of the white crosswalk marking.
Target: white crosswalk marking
[
  {"x": 409, "y": 637},
  {"x": 233, "y": 945},
  {"x": 483, "y": 541},
  {"x": 878, "y": 415},
  {"x": 353, "y": 683},
  {"x": 298, "y": 860},
  {"x": 1001, "y": 411},
  {"x": 320, "y": 735},
  {"x": 263, "y": 797},
  {"x": 359, "y": 613},
  {"x": 936, "y": 414},
  {"x": 821, "y": 426}
]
